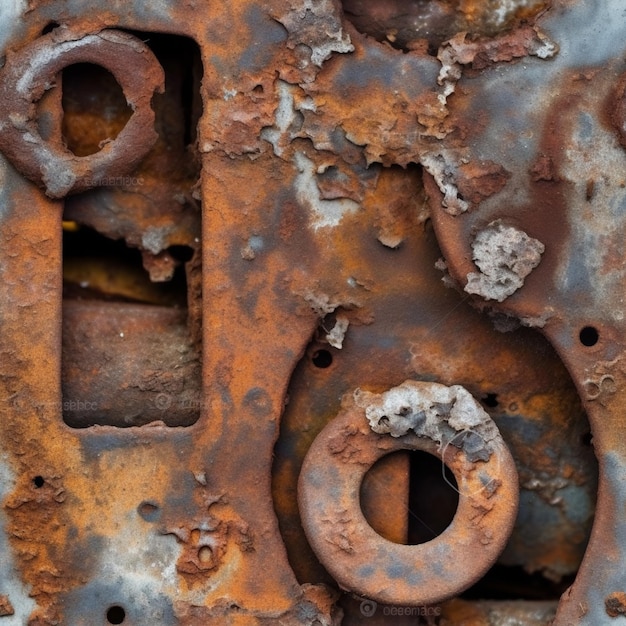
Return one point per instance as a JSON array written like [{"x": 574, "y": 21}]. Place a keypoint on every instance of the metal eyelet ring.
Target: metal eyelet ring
[
  {"x": 365, "y": 563},
  {"x": 30, "y": 72}
]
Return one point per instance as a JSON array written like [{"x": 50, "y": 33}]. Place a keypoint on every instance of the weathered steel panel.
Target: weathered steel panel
[{"x": 221, "y": 301}]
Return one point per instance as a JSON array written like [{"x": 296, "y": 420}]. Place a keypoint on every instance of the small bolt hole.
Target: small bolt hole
[
  {"x": 116, "y": 615},
  {"x": 39, "y": 482},
  {"x": 589, "y": 336},
  {"x": 183, "y": 254},
  {"x": 322, "y": 359},
  {"x": 491, "y": 400}
]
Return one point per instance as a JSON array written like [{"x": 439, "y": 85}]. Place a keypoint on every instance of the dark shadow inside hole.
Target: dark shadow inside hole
[
  {"x": 322, "y": 359},
  {"x": 116, "y": 615},
  {"x": 94, "y": 108},
  {"x": 431, "y": 502},
  {"x": 433, "y": 499},
  {"x": 503, "y": 582},
  {"x": 586, "y": 439},
  {"x": 589, "y": 336},
  {"x": 49, "y": 27},
  {"x": 39, "y": 482},
  {"x": 491, "y": 400},
  {"x": 188, "y": 93},
  {"x": 96, "y": 267}
]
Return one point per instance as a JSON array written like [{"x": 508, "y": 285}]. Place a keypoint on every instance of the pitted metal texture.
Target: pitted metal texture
[{"x": 205, "y": 252}]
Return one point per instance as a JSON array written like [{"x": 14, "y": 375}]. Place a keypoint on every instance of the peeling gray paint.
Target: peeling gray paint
[
  {"x": 596, "y": 224},
  {"x": 442, "y": 166},
  {"x": 447, "y": 415},
  {"x": 505, "y": 256},
  {"x": 323, "y": 212},
  {"x": 10, "y": 13}
]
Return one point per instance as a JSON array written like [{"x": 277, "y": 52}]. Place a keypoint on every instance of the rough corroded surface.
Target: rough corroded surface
[
  {"x": 431, "y": 333},
  {"x": 446, "y": 415},
  {"x": 142, "y": 352},
  {"x": 304, "y": 126},
  {"x": 563, "y": 147}
]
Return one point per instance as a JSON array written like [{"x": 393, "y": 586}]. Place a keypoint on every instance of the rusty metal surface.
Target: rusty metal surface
[
  {"x": 280, "y": 184},
  {"x": 454, "y": 612},
  {"x": 142, "y": 353},
  {"x": 565, "y": 191},
  {"x": 423, "y": 330}
]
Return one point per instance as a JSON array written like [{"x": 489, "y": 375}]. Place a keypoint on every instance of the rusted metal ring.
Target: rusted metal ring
[
  {"x": 30, "y": 72},
  {"x": 362, "y": 561}
]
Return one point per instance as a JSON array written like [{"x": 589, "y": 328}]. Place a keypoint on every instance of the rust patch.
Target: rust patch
[
  {"x": 477, "y": 181},
  {"x": 616, "y": 604},
  {"x": 6, "y": 608}
]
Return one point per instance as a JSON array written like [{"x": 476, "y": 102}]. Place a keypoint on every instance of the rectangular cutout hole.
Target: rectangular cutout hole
[{"x": 132, "y": 274}]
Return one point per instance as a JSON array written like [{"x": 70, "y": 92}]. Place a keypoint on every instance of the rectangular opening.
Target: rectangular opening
[{"x": 132, "y": 274}]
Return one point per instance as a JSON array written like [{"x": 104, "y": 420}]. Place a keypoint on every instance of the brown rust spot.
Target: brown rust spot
[
  {"x": 479, "y": 180},
  {"x": 616, "y": 604},
  {"x": 6, "y": 608},
  {"x": 543, "y": 169}
]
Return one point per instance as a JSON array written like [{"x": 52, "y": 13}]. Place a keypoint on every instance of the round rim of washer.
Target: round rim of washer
[
  {"x": 365, "y": 563},
  {"x": 31, "y": 71}
]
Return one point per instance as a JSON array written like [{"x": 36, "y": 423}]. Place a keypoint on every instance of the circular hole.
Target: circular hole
[
  {"x": 39, "y": 482},
  {"x": 589, "y": 336},
  {"x": 322, "y": 359},
  {"x": 116, "y": 615},
  {"x": 406, "y": 498},
  {"x": 95, "y": 109},
  {"x": 491, "y": 400}
]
